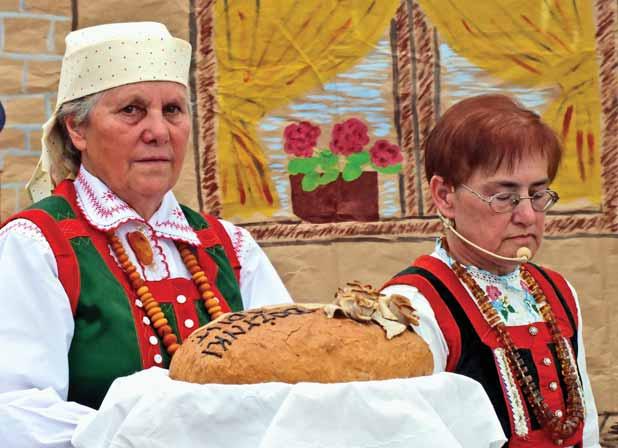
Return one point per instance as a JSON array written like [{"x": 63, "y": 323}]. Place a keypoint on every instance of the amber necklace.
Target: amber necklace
[
  {"x": 559, "y": 428},
  {"x": 151, "y": 306}
]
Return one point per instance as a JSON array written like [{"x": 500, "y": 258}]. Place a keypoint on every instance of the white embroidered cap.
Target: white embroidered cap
[{"x": 100, "y": 58}]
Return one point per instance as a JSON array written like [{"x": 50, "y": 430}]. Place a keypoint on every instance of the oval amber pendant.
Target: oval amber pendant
[{"x": 141, "y": 247}]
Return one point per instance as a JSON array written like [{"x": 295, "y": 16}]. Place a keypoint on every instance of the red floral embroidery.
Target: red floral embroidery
[
  {"x": 493, "y": 292},
  {"x": 109, "y": 196},
  {"x": 22, "y": 226},
  {"x": 102, "y": 210},
  {"x": 174, "y": 225},
  {"x": 238, "y": 241},
  {"x": 177, "y": 213}
]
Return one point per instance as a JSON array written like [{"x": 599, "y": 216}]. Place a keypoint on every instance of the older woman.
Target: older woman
[
  {"x": 109, "y": 274},
  {"x": 485, "y": 312}
]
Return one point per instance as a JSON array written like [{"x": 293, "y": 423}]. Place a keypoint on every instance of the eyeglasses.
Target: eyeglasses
[{"x": 506, "y": 202}]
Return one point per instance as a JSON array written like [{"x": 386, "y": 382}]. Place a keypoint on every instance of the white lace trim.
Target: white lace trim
[
  {"x": 510, "y": 285},
  {"x": 488, "y": 277},
  {"x": 512, "y": 392}
]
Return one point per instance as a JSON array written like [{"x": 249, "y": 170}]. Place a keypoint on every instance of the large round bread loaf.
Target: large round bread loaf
[{"x": 294, "y": 343}]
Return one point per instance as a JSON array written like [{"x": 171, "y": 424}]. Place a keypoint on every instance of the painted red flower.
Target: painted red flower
[
  {"x": 383, "y": 154},
  {"x": 493, "y": 292},
  {"x": 349, "y": 137},
  {"x": 301, "y": 138}
]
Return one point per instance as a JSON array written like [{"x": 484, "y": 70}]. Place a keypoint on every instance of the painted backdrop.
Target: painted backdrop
[{"x": 321, "y": 106}]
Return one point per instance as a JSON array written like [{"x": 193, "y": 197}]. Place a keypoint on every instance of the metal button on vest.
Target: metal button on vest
[
  {"x": 181, "y": 299},
  {"x": 553, "y": 386},
  {"x": 158, "y": 359},
  {"x": 138, "y": 303},
  {"x": 153, "y": 340},
  {"x": 189, "y": 323},
  {"x": 533, "y": 330},
  {"x": 146, "y": 320},
  {"x": 558, "y": 413},
  {"x": 547, "y": 361}
]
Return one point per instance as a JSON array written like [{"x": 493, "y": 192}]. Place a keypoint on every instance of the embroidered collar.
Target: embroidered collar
[
  {"x": 106, "y": 211},
  {"x": 510, "y": 279}
]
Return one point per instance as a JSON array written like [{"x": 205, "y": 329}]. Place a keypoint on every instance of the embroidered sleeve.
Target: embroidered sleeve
[
  {"x": 239, "y": 238},
  {"x": 260, "y": 284},
  {"x": 241, "y": 241},
  {"x": 27, "y": 229},
  {"x": 36, "y": 337}
]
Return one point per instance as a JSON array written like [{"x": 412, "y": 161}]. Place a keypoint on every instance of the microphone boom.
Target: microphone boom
[{"x": 523, "y": 253}]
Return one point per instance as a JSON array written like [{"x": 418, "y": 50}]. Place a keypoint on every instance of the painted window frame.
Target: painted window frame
[{"x": 416, "y": 71}]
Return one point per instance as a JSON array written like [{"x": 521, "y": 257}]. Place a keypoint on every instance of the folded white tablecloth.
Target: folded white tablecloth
[{"x": 148, "y": 409}]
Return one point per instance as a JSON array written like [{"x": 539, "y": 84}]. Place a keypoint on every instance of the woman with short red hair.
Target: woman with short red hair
[{"x": 485, "y": 311}]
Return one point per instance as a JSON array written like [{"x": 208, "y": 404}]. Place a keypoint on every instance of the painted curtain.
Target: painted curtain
[
  {"x": 268, "y": 54},
  {"x": 537, "y": 48},
  {"x": 314, "y": 111}
]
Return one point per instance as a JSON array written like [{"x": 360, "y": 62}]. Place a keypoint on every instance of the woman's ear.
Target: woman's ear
[
  {"x": 442, "y": 196},
  {"x": 76, "y": 133}
]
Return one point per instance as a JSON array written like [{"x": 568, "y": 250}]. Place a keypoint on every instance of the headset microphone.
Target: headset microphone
[{"x": 522, "y": 256}]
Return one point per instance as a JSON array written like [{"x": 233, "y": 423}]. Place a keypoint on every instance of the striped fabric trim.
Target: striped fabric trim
[{"x": 520, "y": 421}]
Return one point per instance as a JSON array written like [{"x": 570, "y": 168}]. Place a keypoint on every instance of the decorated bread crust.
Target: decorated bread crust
[{"x": 297, "y": 343}]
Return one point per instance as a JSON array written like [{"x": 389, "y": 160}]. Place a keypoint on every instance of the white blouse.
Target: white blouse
[
  {"x": 38, "y": 327},
  {"x": 516, "y": 306}
]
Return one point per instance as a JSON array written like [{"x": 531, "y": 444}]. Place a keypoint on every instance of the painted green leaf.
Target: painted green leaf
[
  {"x": 393, "y": 169},
  {"x": 351, "y": 172},
  {"x": 328, "y": 159},
  {"x": 310, "y": 181},
  {"x": 303, "y": 165},
  {"x": 329, "y": 176},
  {"x": 359, "y": 158}
]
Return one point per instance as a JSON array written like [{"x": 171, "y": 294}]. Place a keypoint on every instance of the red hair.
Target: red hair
[{"x": 483, "y": 132}]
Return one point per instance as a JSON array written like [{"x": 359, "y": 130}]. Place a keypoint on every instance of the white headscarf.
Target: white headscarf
[{"x": 100, "y": 58}]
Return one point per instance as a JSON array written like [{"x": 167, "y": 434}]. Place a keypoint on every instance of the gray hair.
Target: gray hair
[{"x": 79, "y": 109}]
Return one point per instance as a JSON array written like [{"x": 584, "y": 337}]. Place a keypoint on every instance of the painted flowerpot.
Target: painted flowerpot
[{"x": 337, "y": 201}]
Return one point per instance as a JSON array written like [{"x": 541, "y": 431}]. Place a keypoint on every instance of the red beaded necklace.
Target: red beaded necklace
[
  {"x": 151, "y": 306},
  {"x": 559, "y": 428}
]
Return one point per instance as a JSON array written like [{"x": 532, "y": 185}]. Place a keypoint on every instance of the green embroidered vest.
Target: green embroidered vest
[{"x": 106, "y": 343}]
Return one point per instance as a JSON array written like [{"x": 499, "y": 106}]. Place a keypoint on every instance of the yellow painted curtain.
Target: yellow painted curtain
[
  {"x": 534, "y": 44},
  {"x": 268, "y": 54}
]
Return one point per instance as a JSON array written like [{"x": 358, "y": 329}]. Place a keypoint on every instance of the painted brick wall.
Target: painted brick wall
[{"x": 31, "y": 46}]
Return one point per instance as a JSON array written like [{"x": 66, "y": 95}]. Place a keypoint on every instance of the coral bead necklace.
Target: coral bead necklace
[{"x": 150, "y": 305}]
